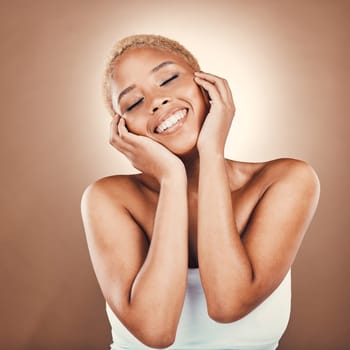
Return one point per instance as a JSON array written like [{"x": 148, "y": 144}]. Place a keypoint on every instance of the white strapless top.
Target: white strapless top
[{"x": 261, "y": 329}]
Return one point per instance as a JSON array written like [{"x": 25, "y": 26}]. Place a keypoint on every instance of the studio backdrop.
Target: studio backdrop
[{"x": 288, "y": 65}]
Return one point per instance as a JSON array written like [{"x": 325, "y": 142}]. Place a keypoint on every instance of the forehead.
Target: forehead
[{"x": 137, "y": 63}]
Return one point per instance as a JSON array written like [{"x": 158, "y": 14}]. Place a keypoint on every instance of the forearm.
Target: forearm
[
  {"x": 225, "y": 268},
  {"x": 159, "y": 288}
]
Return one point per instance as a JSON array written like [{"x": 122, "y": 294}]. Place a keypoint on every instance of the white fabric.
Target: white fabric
[{"x": 261, "y": 329}]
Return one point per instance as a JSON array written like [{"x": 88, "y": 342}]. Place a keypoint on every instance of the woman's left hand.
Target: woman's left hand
[{"x": 216, "y": 126}]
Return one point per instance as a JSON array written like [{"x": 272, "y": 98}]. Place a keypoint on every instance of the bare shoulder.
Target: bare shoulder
[
  {"x": 114, "y": 185},
  {"x": 107, "y": 205},
  {"x": 295, "y": 173},
  {"x": 269, "y": 172},
  {"x": 291, "y": 166},
  {"x": 117, "y": 189}
]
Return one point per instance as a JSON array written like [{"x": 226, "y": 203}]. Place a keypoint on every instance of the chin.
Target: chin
[{"x": 185, "y": 146}]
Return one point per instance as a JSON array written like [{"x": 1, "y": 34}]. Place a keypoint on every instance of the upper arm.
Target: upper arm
[
  {"x": 278, "y": 224},
  {"x": 116, "y": 243}
]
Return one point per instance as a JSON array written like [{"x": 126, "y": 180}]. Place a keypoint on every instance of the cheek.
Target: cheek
[
  {"x": 136, "y": 125},
  {"x": 199, "y": 100},
  {"x": 192, "y": 91}
]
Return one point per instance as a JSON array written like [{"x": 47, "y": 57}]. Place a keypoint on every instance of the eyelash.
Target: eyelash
[
  {"x": 169, "y": 80},
  {"x": 134, "y": 104},
  {"x": 141, "y": 99}
]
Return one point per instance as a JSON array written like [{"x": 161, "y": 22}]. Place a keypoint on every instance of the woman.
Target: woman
[{"x": 195, "y": 251}]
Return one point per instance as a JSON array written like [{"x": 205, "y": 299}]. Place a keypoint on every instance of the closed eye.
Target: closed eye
[
  {"x": 169, "y": 80},
  {"x": 134, "y": 104}
]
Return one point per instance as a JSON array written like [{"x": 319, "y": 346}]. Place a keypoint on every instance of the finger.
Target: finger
[
  {"x": 210, "y": 88},
  {"x": 114, "y": 138},
  {"x": 126, "y": 135},
  {"x": 114, "y": 127},
  {"x": 220, "y": 83},
  {"x": 208, "y": 76},
  {"x": 115, "y": 120},
  {"x": 122, "y": 130}
]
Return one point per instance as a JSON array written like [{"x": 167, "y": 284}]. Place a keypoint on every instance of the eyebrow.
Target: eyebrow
[{"x": 154, "y": 70}]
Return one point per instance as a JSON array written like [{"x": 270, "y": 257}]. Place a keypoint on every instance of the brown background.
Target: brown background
[{"x": 288, "y": 65}]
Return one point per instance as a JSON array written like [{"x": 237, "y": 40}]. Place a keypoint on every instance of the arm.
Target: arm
[
  {"x": 144, "y": 285},
  {"x": 238, "y": 274}
]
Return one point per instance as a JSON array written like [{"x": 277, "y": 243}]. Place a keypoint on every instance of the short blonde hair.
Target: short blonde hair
[{"x": 144, "y": 40}]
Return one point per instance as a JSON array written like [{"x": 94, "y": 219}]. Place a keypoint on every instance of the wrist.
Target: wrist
[
  {"x": 174, "y": 175},
  {"x": 210, "y": 145},
  {"x": 211, "y": 153}
]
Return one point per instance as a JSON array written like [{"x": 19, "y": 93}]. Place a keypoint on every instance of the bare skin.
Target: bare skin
[{"x": 240, "y": 223}]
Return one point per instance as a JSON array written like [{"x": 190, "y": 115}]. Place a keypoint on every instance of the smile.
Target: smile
[{"x": 171, "y": 121}]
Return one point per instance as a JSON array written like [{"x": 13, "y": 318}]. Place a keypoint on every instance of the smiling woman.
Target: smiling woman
[
  {"x": 164, "y": 79},
  {"x": 195, "y": 251}
]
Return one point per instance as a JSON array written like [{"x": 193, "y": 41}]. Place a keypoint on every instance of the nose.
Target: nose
[{"x": 158, "y": 103}]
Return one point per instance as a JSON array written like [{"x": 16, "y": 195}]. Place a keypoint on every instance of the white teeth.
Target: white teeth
[{"x": 170, "y": 121}]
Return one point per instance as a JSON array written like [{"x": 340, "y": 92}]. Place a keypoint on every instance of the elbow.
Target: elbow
[
  {"x": 158, "y": 340},
  {"x": 226, "y": 313},
  {"x": 157, "y": 333},
  {"x": 226, "y": 316}
]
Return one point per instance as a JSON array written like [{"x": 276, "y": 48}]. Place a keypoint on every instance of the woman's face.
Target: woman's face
[{"x": 154, "y": 91}]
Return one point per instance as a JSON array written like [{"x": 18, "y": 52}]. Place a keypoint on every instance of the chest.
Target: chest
[{"x": 243, "y": 203}]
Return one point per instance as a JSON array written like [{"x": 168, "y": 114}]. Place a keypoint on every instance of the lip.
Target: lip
[{"x": 166, "y": 115}]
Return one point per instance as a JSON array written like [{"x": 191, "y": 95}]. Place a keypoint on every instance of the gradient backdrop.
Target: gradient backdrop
[{"x": 288, "y": 65}]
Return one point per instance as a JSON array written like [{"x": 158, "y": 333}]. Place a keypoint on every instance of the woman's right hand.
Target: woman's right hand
[{"x": 145, "y": 154}]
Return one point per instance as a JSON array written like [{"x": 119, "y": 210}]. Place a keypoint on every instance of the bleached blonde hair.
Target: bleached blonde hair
[{"x": 142, "y": 40}]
